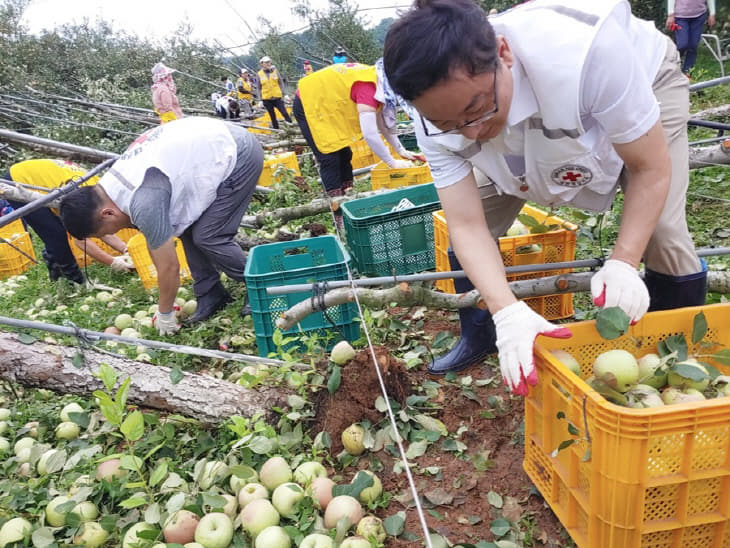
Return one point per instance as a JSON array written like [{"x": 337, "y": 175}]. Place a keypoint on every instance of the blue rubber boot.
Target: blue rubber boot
[
  {"x": 668, "y": 292},
  {"x": 478, "y": 334}
]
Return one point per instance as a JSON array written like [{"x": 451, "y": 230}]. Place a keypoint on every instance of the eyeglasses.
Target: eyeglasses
[{"x": 483, "y": 118}]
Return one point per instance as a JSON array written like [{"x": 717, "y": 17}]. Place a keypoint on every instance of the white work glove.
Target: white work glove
[
  {"x": 618, "y": 284},
  {"x": 517, "y": 327},
  {"x": 123, "y": 263},
  {"x": 400, "y": 164},
  {"x": 166, "y": 324},
  {"x": 287, "y": 99},
  {"x": 412, "y": 156}
]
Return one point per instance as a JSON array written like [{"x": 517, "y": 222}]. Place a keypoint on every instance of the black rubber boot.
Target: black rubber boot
[
  {"x": 668, "y": 292},
  {"x": 210, "y": 303},
  {"x": 478, "y": 334},
  {"x": 246, "y": 308},
  {"x": 56, "y": 271}
]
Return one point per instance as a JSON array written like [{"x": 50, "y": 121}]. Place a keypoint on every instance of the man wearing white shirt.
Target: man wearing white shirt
[{"x": 560, "y": 104}]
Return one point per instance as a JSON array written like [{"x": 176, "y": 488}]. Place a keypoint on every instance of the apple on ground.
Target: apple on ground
[
  {"x": 54, "y": 517},
  {"x": 67, "y": 430},
  {"x": 72, "y": 407},
  {"x": 231, "y": 507},
  {"x": 317, "y": 540},
  {"x": 215, "y": 530},
  {"x": 110, "y": 469},
  {"x": 274, "y": 472},
  {"x": 273, "y": 537},
  {"x": 180, "y": 527},
  {"x": 355, "y": 542},
  {"x": 250, "y": 492},
  {"x": 257, "y": 515},
  {"x": 3, "y": 427},
  {"x": 24, "y": 469},
  {"x": 15, "y": 530},
  {"x": 321, "y": 492},
  {"x": 42, "y": 464},
  {"x": 342, "y": 507},
  {"x": 286, "y": 497},
  {"x": 131, "y": 539},
  {"x": 86, "y": 511},
  {"x": 4, "y": 445},
  {"x": 193, "y": 545},
  {"x": 32, "y": 427},
  {"x": 371, "y": 528},
  {"x": 353, "y": 439},
  {"x": 370, "y": 494},
  {"x": 307, "y": 471},
  {"x": 4, "y": 413},
  {"x": 91, "y": 534},
  {"x": 23, "y": 443},
  {"x": 239, "y": 479}
]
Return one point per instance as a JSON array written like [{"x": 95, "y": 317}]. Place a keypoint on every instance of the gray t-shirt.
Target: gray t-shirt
[{"x": 153, "y": 222}]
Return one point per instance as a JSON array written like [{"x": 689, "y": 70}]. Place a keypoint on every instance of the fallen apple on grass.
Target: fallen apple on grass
[
  {"x": 317, "y": 540},
  {"x": 110, "y": 469},
  {"x": 321, "y": 491},
  {"x": 67, "y": 430},
  {"x": 257, "y": 515},
  {"x": 307, "y": 471},
  {"x": 274, "y": 472},
  {"x": 353, "y": 439},
  {"x": 15, "y": 530},
  {"x": 54, "y": 516},
  {"x": 342, "y": 507},
  {"x": 215, "y": 530},
  {"x": 180, "y": 527},
  {"x": 251, "y": 492},
  {"x": 85, "y": 511},
  {"x": 68, "y": 409},
  {"x": 91, "y": 534},
  {"x": 273, "y": 537},
  {"x": 286, "y": 497}
]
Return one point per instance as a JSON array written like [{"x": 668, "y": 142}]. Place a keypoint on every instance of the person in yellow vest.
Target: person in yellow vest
[
  {"x": 272, "y": 91},
  {"x": 57, "y": 254},
  {"x": 243, "y": 89},
  {"x": 339, "y": 105},
  {"x": 164, "y": 96}
]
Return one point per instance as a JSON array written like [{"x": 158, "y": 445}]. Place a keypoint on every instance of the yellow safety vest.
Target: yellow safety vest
[
  {"x": 246, "y": 95},
  {"x": 168, "y": 116},
  {"x": 48, "y": 174},
  {"x": 270, "y": 88},
  {"x": 331, "y": 113}
]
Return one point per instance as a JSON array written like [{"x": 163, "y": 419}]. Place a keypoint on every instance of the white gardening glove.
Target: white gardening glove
[
  {"x": 619, "y": 284},
  {"x": 412, "y": 156},
  {"x": 123, "y": 263},
  {"x": 166, "y": 323},
  {"x": 517, "y": 327},
  {"x": 400, "y": 164}
]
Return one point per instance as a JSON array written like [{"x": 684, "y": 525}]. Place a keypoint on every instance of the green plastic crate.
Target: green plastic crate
[
  {"x": 409, "y": 142},
  {"x": 308, "y": 260},
  {"x": 385, "y": 242}
]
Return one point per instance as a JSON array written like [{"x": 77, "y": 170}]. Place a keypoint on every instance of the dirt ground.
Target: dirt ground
[{"x": 455, "y": 501}]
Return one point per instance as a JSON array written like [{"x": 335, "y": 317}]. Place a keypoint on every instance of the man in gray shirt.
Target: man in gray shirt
[{"x": 192, "y": 178}]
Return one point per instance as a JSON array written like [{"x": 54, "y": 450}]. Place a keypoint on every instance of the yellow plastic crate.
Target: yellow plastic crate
[
  {"x": 83, "y": 259},
  {"x": 12, "y": 261},
  {"x": 264, "y": 121},
  {"x": 384, "y": 177},
  {"x": 555, "y": 246},
  {"x": 656, "y": 477},
  {"x": 137, "y": 247},
  {"x": 271, "y": 173},
  {"x": 362, "y": 155}
]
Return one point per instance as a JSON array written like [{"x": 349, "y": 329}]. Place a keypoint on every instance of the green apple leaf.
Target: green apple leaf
[{"x": 612, "y": 322}]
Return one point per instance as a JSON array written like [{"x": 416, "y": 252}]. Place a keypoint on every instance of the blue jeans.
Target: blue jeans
[{"x": 688, "y": 37}]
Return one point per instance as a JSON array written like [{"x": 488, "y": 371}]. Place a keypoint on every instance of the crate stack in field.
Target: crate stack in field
[
  {"x": 137, "y": 247},
  {"x": 16, "y": 249},
  {"x": 656, "y": 477},
  {"x": 553, "y": 246},
  {"x": 305, "y": 261},
  {"x": 276, "y": 168}
]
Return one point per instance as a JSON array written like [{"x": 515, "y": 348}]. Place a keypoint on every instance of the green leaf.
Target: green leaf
[
  {"x": 500, "y": 527},
  {"x": 360, "y": 482},
  {"x": 42, "y": 537},
  {"x": 107, "y": 375},
  {"x": 528, "y": 221},
  {"x": 78, "y": 360},
  {"x": 335, "y": 379},
  {"x": 158, "y": 474},
  {"x": 563, "y": 445},
  {"x": 176, "y": 374},
  {"x": 111, "y": 411},
  {"x": 56, "y": 461},
  {"x": 133, "y": 502},
  {"x": 153, "y": 513},
  {"x": 395, "y": 524},
  {"x": 120, "y": 398},
  {"x": 432, "y": 424},
  {"x": 678, "y": 344},
  {"x": 688, "y": 371},
  {"x": 416, "y": 449},
  {"x": 495, "y": 499},
  {"x": 243, "y": 472},
  {"x": 699, "y": 327},
  {"x": 560, "y": 415},
  {"x": 133, "y": 426},
  {"x": 722, "y": 357},
  {"x": 26, "y": 338},
  {"x": 612, "y": 322},
  {"x": 131, "y": 463},
  {"x": 573, "y": 430},
  {"x": 82, "y": 419}
]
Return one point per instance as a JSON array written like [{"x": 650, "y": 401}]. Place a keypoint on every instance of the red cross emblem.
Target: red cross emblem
[{"x": 571, "y": 175}]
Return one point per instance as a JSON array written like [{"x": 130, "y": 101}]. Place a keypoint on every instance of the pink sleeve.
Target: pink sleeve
[{"x": 363, "y": 93}]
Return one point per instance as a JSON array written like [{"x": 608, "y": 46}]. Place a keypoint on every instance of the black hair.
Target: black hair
[
  {"x": 432, "y": 40},
  {"x": 78, "y": 212}
]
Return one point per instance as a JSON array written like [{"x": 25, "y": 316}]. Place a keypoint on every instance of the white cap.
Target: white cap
[{"x": 265, "y": 59}]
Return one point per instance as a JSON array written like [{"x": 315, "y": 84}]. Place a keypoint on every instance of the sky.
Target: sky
[{"x": 221, "y": 20}]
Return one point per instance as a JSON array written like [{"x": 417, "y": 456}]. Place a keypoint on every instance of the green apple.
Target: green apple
[
  {"x": 4, "y": 426},
  {"x": 91, "y": 534},
  {"x": 250, "y": 492},
  {"x": 257, "y": 515},
  {"x": 672, "y": 395},
  {"x": 180, "y": 527},
  {"x": 274, "y": 472},
  {"x": 54, "y": 517},
  {"x": 342, "y": 353},
  {"x": 86, "y": 511},
  {"x": 42, "y": 464},
  {"x": 131, "y": 540},
  {"x": 4, "y": 445},
  {"x": 32, "y": 429},
  {"x": 72, "y": 407},
  {"x": 353, "y": 439},
  {"x": 617, "y": 368},
  {"x": 355, "y": 542},
  {"x": 23, "y": 443},
  {"x": 110, "y": 469},
  {"x": 321, "y": 492},
  {"x": 567, "y": 359},
  {"x": 215, "y": 530},
  {"x": 342, "y": 507},
  {"x": 273, "y": 537},
  {"x": 370, "y": 494},
  {"x": 643, "y": 396},
  {"x": 371, "y": 528},
  {"x": 67, "y": 431},
  {"x": 242, "y": 476},
  {"x": 15, "y": 530},
  {"x": 123, "y": 321},
  {"x": 648, "y": 364},
  {"x": 675, "y": 379},
  {"x": 286, "y": 497},
  {"x": 4, "y": 413},
  {"x": 307, "y": 471},
  {"x": 317, "y": 540}
]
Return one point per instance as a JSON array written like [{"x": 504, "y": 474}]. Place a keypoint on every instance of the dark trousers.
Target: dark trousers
[
  {"x": 688, "y": 37},
  {"x": 210, "y": 247},
  {"x": 277, "y": 104},
  {"x": 49, "y": 229},
  {"x": 335, "y": 168}
]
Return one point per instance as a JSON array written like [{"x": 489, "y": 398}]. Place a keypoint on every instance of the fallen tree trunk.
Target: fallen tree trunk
[
  {"x": 203, "y": 397},
  {"x": 408, "y": 295},
  {"x": 722, "y": 110},
  {"x": 710, "y": 156}
]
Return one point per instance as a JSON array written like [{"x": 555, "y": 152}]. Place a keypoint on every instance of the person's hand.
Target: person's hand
[
  {"x": 517, "y": 327},
  {"x": 400, "y": 164},
  {"x": 408, "y": 155},
  {"x": 287, "y": 99},
  {"x": 619, "y": 284},
  {"x": 670, "y": 24},
  {"x": 123, "y": 263},
  {"x": 711, "y": 21},
  {"x": 166, "y": 323}
]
